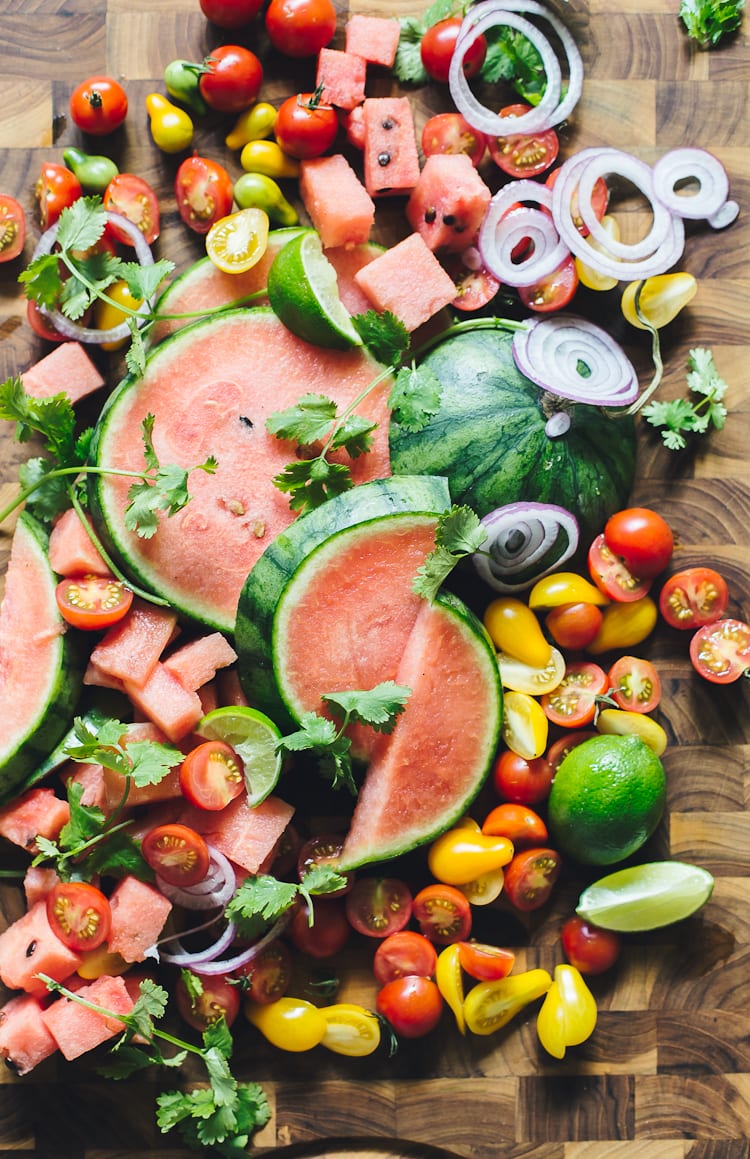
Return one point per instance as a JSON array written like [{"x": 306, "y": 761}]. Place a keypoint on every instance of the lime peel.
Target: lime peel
[{"x": 646, "y": 897}]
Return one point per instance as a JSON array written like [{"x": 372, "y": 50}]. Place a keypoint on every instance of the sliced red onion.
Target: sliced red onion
[
  {"x": 196, "y": 958},
  {"x": 692, "y": 167},
  {"x": 66, "y": 326},
  {"x": 557, "y": 425},
  {"x": 525, "y": 542},
  {"x": 572, "y": 357},
  {"x": 213, "y": 892},
  {"x": 503, "y": 233},
  {"x": 553, "y": 108},
  {"x": 227, "y": 965}
]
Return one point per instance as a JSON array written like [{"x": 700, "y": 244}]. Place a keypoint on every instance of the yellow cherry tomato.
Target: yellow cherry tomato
[
  {"x": 491, "y": 1005},
  {"x": 525, "y": 727},
  {"x": 514, "y": 629},
  {"x": 624, "y": 625},
  {"x": 268, "y": 157},
  {"x": 522, "y": 677},
  {"x": 171, "y": 127},
  {"x": 292, "y": 1024},
  {"x": 564, "y": 587},
  {"x": 620, "y": 722},
  {"x": 350, "y": 1029},
  {"x": 461, "y": 855},
  {"x": 253, "y": 124},
  {"x": 236, "y": 242},
  {"x": 568, "y": 1013},
  {"x": 589, "y": 277},
  {"x": 450, "y": 983},
  {"x": 107, "y": 315},
  {"x": 661, "y": 298},
  {"x": 101, "y": 961},
  {"x": 484, "y": 889}
]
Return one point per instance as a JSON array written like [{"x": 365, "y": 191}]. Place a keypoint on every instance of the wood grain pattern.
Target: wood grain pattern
[{"x": 667, "y": 1073}]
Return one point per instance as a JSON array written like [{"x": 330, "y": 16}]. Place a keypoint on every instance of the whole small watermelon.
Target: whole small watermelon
[{"x": 488, "y": 438}]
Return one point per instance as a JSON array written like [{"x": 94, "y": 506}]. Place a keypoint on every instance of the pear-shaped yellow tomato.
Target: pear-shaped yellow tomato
[
  {"x": 658, "y": 299},
  {"x": 449, "y": 979},
  {"x": 171, "y": 127},
  {"x": 289, "y": 1023},
  {"x": 461, "y": 855},
  {"x": 514, "y": 629},
  {"x": 491, "y": 1005},
  {"x": 568, "y": 1013}
]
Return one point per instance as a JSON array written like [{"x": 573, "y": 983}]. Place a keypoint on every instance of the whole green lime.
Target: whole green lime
[{"x": 607, "y": 799}]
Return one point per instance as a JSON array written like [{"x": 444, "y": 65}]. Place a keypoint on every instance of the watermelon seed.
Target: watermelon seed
[{"x": 384, "y": 159}]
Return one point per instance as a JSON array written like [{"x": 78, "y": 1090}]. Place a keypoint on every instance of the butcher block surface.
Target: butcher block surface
[{"x": 666, "y": 1074}]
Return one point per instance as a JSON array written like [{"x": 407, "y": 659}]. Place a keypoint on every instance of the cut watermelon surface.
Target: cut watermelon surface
[{"x": 211, "y": 388}]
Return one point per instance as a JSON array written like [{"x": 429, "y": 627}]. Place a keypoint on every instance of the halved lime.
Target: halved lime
[
  {"x": 645, "y": 897},
  {"x": 254, "y": 737},
  {"x": 304, "y": 294}
]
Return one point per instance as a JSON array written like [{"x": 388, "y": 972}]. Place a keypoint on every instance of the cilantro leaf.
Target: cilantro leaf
[
  {"x": 48, "y": 493},
  {"x": 309, "y": 421},
  {"x": 513, "y": 58},
  {"x": 415, "y": 397},
  {"x": 378, "y": 706},
  {"x": 144, "y": 281},
  {"x": 53, "y": 418},
  {"x": 459, "y": 533},
  {"x": 354, "y": 435},
  {"x": 328, "y": 745},
  {"x": 708, "y": 21},
  {"x": 384, "y": 335},
  {"x": 42, "y": 280},
  {"x": 310, "y": 482},
  {"x": 81, "y": 224},
  {"x": 261, "y": 896},
  {"x": 407, "y": 66},
  {"x": 678, "y": 417}
]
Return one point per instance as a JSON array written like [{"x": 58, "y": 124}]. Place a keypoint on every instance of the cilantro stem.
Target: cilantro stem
[
  {"x": 61, "y": 472},
  {"x": 465, "y": 326}
]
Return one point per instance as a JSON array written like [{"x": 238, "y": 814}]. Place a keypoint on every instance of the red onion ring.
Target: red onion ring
[
  {"x": 522, "y": 542},
  {"x": 501, "y": 235},
  {"x": 227, "y": 965},
  {"x": 696, "y": 166},
  {"x": 552, "y": 109},
  {"x": 66, "y": 326},
  {"x": 196, "y": 958},
  {"x": 551, "y": 352},
  {"x": 213, "y": 892}
]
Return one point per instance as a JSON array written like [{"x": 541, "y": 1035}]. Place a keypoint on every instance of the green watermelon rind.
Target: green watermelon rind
[
  {"x": 60, "y": 695},
  {"x": 488, "y": 438},
  {"x": 407, "y": 840},
  {"x": 263, "y": 588}
]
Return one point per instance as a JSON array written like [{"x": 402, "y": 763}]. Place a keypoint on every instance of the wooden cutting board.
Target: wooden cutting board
[{"x": 667, "y": 1072}]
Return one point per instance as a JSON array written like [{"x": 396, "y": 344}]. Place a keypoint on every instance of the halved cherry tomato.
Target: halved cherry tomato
[
  {"x": 474, "y": 288},
  {"x": 530, "y": 877},
  {"x": 483, "y": 890},
  {"x": 232, "y": 78},
  {"x": 621, "y": 722},
  {"x": 237, "y": 242},
  {"x": 521, "y": 781},
  {"x": 642, "y": 540},
  {"x": 611, "y": 575},
  {"x": 634, "y": 684},
  {"x": 599, "y": 200},
  {"x": 523, "y": 154},
  {"x": 41, "y": 325},
  {"x": 135, "y": 199},
  {"x": 322, "y": 849},
  {"x": 268, "y": 976},
  {"x": 378, "y": 906},
  {"x": 694, "y": 597},
  {"x": 205, "y": 1000},
  {"x": 327, "y": 934},
  {"x": 553, "y": 292},
  {"x": 573, "y": 703},
  {"x": 443, "y": 914},
  {"x": 573, "y": 626},
  {"x": 438, "y": 43},
  {"x": 525, "y": 727},
  {"x": 558, "y": 751},
  {"x": 450, "y": 133},
  {"x": 485, "y": 963},
  {"x": 204, "y": 192},
  {"x": 98, "y": 105},
  {"x": 720, "y": 652},
  {"x": 589, "y": 948},
  {"x": 92, "y": 602},
  {"x": 176, "y": 853},
  {"x": 412, "y": 1005},
  {"x": 212, "y": 775},
  {"x": 56, "y": 188},
  {"x": 520, "y": 677},
  {"x": 305, "y": 126},
  {"x": 351, "y": 1030},
  {"x": 12, "y": 227},
  {"x": 518, "y": 823},
  {"x": 79, "y": 915},
  {"x": 300, "y": 27},
  {"x": 405, "y": 952}
]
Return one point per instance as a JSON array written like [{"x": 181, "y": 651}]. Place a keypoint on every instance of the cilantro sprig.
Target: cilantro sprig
[
  {"x": 680, "y": 417},
  {"x": 261, "y": 900},
  {"x": 709, "y": 21},
  {"x": 460, "y": 533}
]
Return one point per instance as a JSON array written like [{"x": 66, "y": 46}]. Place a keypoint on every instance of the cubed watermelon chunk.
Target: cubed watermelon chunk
[
  {"x": 248, "y": 837},
  {"x": 38, "y": 880},
  {"x": 449, "y": 202},
  {"x": 373, "y": 37},
  {"x": 25, "y": 1040},
  {"x": 131, "y": 649},
  {"x": 164, "y": 701},
  {"x": 91, "y": 776},
  {"x": 71, "y": 551},
  {"x": 65, "y": 370},
  {"x": 391, "y": 159},
  {"x": 342, "y": 77},
  {"x": 36, "y": 813},
  {"x": 415, "y": 299},
  {"x": 337, "y": 203},
  {"x": 29, "y": 947},
  {"x": 139, "y": 912},
  {"x": 76, "y": 1029},
  {"x": 197, "y": 662}
]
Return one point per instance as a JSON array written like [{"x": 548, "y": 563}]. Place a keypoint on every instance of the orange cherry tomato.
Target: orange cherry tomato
[
  {"x": 521, "y": 825},
  {"x": 93, "y": 602},
  {"x": 79, "y": 914},
  {"x": 212, "y": 775},
  {"x": 530, "y": 877},
  {"x": 176, "y": 853}
]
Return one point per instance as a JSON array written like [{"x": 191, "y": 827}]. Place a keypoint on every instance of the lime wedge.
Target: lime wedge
[
  {"x": 645, "y": 897},
  {"x": 253, "y": 736},
  {"x": 304, "y": 294}
]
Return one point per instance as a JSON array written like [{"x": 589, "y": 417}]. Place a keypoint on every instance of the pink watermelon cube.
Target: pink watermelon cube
[
  {"x": 37, "y": 882},
  {"x": 66, "y": 370},
  {"x": 131, "y": 649},
  {"x": 76, "y": 1029},
  {"x": 36, "y": 813},
  {"x": 139, "y": 912},
  {"x": 373, "y": 37},
  {"x": 25, "y": 1040},
  {"x": 91, "y": 777},
  {"x": 337, "y": 203},
  {"x": 391, "y": 158},
  {"x": 449, "y": 202},
  {"x": 197, "y": 662},
  {"x": 71, "y": 551},
  {"x": 29, "y": 947},
  {"x": 165, "y": 702},
  {"x": 342, "y": 77},
  {"x": 246, "y": 836},
  {"x": 415, "y": 299}
]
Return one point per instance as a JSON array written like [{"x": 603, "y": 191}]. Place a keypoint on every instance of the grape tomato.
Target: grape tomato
[
  {"x": 521, "y": 825},
  {"x": 328, "y": 932},
  {"x": 437, "y": 45},
  {"x": 641, "y": 539},
  {"x": 589, "y": 948},
  {"x": 521, "y": 781},
  {"x": 412, "y": 1005}
]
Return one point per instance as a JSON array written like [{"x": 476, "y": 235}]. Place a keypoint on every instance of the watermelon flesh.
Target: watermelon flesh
[
  {"x": 339, "y": 206},
  {"x": 25, "y": 1040},
  {"x": 36, "y": 813},
  {"x": 29, "y": 946},
  {"x": 139, "y": 912},
  {"x": 76, "y": 1029}
]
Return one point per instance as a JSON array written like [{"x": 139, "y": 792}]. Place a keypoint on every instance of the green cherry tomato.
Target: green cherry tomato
[
  {"x": 292, "y": 1024},
  {"x": 92, "y": 170},
  {"x": 258, "y": 191},
  {"x": 181, "y": 80}
]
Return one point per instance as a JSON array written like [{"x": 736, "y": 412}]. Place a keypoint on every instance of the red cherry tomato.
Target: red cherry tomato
[
  {"x": 641, "y": 539},
  {"x": 403, "y": 953},
  {"x": 530, "y": 876},
  {"x": 56, "y": 188},
  {"x": 438, "y": 43},
  {"x": 92, "y": 602},
  {"x": 412, "y": 1005},
  {"x": 589, "y": 948},
  {"x": 474, "y": 288},
  {"x": 300, "y": 27},
  {"x": 41, "y": 325},
  {"x": 611, "y": 576},
  {"x": 553, "y": 292},
  {"x": 211, "y": 775},
  {"x": 134, "y": 198},
  {"x": 212, "y": 999},
  {"x": 720, "y": 652},
  {"x": 485, "y": 963},
  {"x": 79, "y": 915},
  {"x": 573, "y": 703},
  {"x": 518, "y": 823},
  {"x": 177, "y": 853},
  {"x": 304, "y": 127},
  {"x": 269, "y": 975},
  {"x": 557, "y": 752},
  {"x": 12, "y": 228},
  {"x": 451, "y": 133},
  {"x": 378, "y": 906},
  {"x": 99, "y": 105},
  {"x": 693, "y": 597},
  {"x": 329, "y": 931},
  {"x": 523, "y": 154},
  {"x": 443, "y": 914},
  {"x": 573, "y": 626},
  {"x": 599, "y": 200},
  {"x": 524, "y": 782},
  {"x": 322, "y": 850},
  {"x": 230, "y": 13},
  {"x": 634, "y": 684},
  {"x": 204, "y": 192},
  {"x": 232, "y": 80}
]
